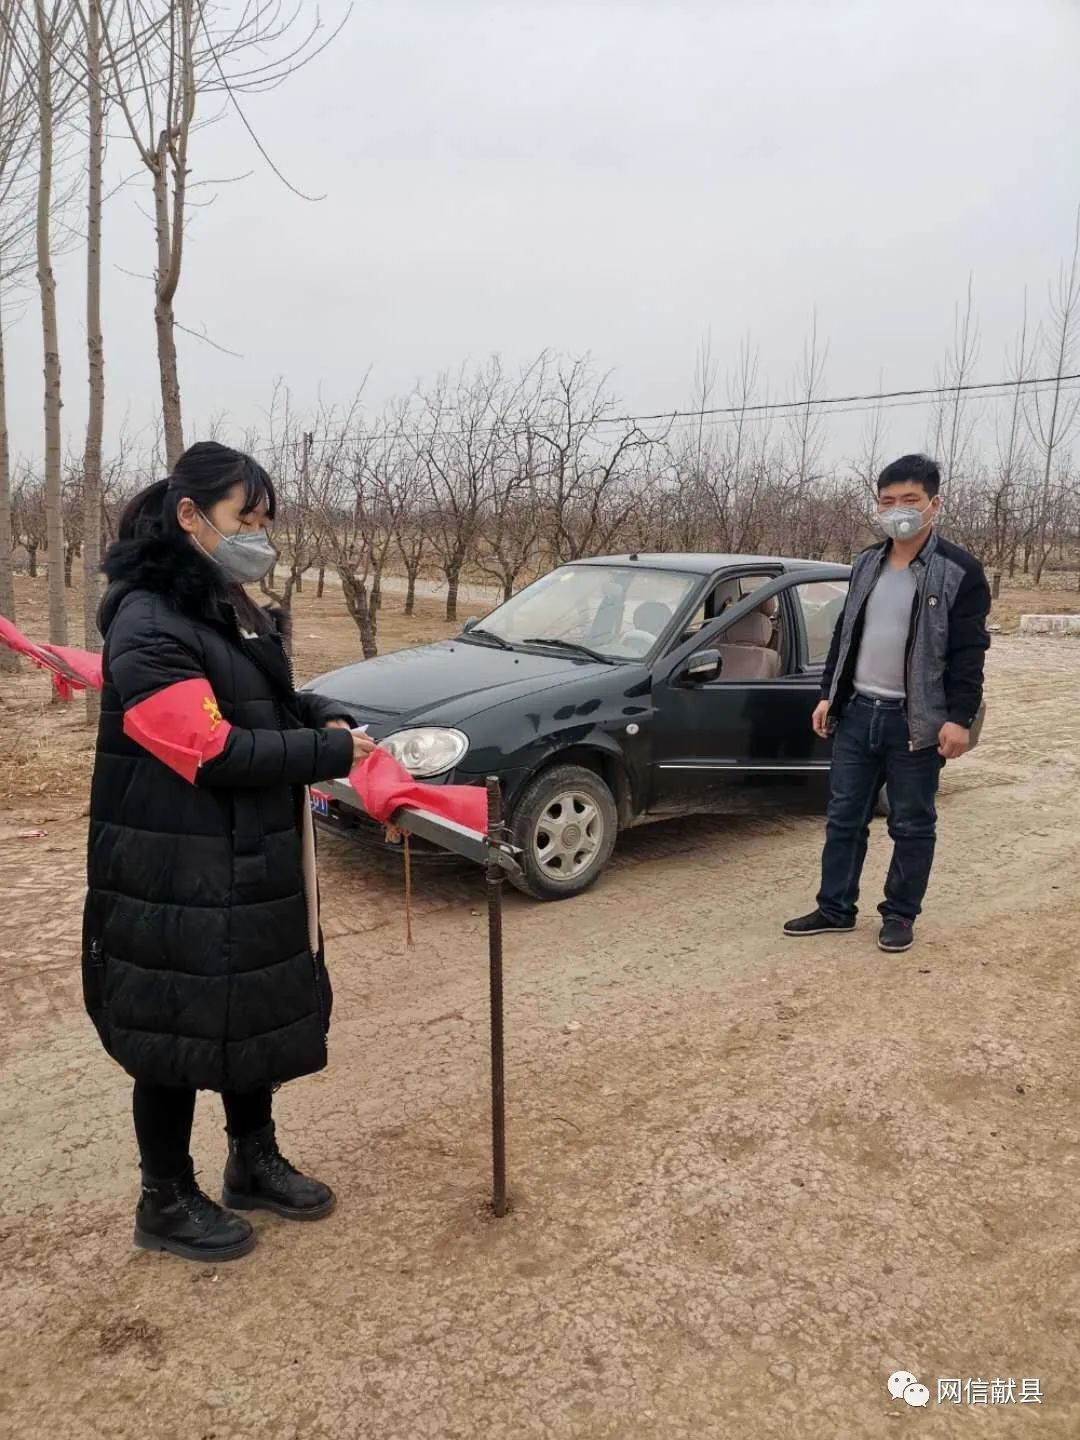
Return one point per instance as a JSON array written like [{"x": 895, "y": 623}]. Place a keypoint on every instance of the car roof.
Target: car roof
[{"x": 698, "y": 563}]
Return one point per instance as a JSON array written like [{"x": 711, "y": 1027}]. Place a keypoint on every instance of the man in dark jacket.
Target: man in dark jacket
[{"x": 902, "y": 694}]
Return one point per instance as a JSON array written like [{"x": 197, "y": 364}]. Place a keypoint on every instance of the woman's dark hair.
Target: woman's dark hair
[{"x": 205, "y": 473}]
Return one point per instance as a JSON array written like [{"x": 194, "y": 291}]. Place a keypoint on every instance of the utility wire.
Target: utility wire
[{"x": 773, "y": 409}]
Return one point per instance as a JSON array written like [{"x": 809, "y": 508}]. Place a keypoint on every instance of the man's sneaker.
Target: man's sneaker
[
  {"x": 817, "y": 924},
  {"x": 896, "y": 935}
]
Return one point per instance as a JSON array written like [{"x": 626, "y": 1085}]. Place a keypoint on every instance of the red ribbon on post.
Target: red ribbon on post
[
  {"x": 384, "y": 787},
  {"x": 69, "y": 669}
]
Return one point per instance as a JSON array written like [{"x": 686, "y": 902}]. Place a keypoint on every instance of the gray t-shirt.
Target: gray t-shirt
[{"x": 879, "y": 670}]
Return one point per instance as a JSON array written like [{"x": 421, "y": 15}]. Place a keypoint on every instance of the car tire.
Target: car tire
[{"x": 565, "y": 824}]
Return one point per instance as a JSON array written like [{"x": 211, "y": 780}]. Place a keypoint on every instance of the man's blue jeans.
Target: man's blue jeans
[{"x": 870, "y": 748}]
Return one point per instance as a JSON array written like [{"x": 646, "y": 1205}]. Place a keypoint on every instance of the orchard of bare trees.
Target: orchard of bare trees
[
  {"x": 493, "y": 474},
  {"x": 156, "y": 74}
]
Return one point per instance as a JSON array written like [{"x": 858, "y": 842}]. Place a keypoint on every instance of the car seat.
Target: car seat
[
  {"x": 745, "y": 648},
  {"x": 651, "y": 619}
]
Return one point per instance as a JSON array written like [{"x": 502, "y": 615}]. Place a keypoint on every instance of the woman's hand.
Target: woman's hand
[{"x": 362, "y": 745}]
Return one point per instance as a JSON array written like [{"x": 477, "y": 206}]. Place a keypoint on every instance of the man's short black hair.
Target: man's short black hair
[{"x": 912, "y": 470}]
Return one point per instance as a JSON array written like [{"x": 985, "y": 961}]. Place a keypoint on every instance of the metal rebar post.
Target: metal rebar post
[{"x": 495, "y": 954}]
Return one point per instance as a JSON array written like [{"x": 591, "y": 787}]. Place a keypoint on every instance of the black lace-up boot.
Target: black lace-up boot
[
  {"x": 176, "y": 1216},
  {"x": 258, "y": 1177}
]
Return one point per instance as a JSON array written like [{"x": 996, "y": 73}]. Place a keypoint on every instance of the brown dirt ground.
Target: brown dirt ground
[{"x": 750, "y": 1178}]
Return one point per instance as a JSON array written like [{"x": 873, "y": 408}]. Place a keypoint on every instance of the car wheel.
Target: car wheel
[{"x": 565, "y": 825}]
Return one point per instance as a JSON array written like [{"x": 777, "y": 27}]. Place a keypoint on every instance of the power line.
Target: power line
[
  {"x": 775, "y": 409},
  {"x": 795, "y": 407},
  {"x": 916, "y": 396}
]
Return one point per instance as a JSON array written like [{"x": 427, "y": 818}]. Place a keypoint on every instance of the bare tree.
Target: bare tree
[
  {"x": 510, "y": 532},
  {"x": 806, "y": 436},
  {"x": 95, "y": 345},
  {"x": 1052, "y": 419},
  {"x": 337, "y": 499},
  {"x": 587, "y": 454},
  {"x": 952, "y": 429},
  {"x": 8, "y": 660},
  {"x": 17, "y": 227},
  {"x": 28, "y": 517},
  {"x": 733, "y": 477},
  {"x": 460, "y": 435},
  {"x": 411, "y": 523},
  {"x": 42, "y": 40},
  {"x": 378, "y": 474},
  {"x": 289, "y": 455},
  {"x": 164, "y": 56},
  {"x": 1012, "y": 458}
]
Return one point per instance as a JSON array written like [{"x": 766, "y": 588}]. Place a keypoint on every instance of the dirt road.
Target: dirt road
[{"x": 751, "y": 1177}]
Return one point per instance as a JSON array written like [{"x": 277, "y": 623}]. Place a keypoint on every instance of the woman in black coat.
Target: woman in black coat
[{"x": 203, "y": 962}]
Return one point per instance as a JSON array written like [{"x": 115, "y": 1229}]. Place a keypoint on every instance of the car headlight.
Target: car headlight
[{"x": 427, "y": 751}]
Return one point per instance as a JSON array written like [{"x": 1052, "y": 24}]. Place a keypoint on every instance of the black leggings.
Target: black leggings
[{"x": 163, "y": 1116}]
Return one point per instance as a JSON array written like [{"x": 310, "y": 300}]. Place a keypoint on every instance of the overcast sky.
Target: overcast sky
[{"x": 611, "y": 176}]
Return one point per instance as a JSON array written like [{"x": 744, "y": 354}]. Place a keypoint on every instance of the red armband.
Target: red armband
[{"x": 181, "y": 726}]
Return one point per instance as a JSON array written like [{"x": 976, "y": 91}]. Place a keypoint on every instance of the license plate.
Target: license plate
[{"x": 320, "y": 803}]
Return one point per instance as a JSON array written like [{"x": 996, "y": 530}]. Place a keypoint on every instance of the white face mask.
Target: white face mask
[
  {"x": 902, "y": 522},
  {"x": 246, "y": 557}
]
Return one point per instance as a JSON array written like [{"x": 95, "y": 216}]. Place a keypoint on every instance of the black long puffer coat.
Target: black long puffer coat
[{"x": 202, "y": 965}]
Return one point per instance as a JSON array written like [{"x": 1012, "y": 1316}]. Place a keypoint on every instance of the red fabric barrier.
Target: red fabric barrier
[
  {"x": 69, "y": 669},
  {"x": 384, "y": 786}
]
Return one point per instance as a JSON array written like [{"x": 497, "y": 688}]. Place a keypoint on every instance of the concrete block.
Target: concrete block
[{"x": 1050, "y": 624}]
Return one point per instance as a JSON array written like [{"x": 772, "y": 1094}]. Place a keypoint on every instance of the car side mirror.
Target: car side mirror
[
  {"x": 470, "y": 624},
  {"x": 703, "y": 667}
]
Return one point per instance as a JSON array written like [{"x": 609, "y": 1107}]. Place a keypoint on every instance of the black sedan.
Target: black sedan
[{"x": 611, "y": 692}]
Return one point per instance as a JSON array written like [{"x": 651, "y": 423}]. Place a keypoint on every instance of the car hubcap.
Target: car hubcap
[{"x": 568, "y": 835}]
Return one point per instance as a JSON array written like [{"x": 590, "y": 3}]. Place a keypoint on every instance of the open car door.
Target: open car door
[{"x": 737, "y": 735}]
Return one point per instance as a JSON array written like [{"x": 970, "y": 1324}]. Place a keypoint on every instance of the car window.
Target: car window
[
  {"x": 721, "y": 597},
  {"x": 619, "y": 610},
  {"x": 821, "y": 602}
]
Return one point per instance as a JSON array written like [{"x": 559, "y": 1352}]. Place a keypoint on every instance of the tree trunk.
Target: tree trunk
[
  {"x": 322, "y": 583},
  {"x": 453, "y": 580},
  {"x": 70, "y": 552},
  {"x": 376, "y": 587},
  {"x": 299, "y": 582},
  {"x": 31, "y": 551},
  {"x": 1041, "y": 555},
  {"x": 410, "y": 593},
  {"x": 8, "y": 659},
  {"x": 164, "y": 320},
  {"x": 995, "y": 588},
  {"x": 356, "y": 602},
  {"x": 170, "y": 382},
  {"x": 54, "y": 519},
  {"x": 95, "y": 349}
]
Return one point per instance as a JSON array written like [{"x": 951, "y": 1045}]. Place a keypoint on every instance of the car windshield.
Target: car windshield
[{"x": 618, "y": 611}]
